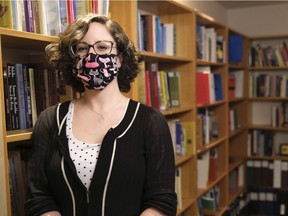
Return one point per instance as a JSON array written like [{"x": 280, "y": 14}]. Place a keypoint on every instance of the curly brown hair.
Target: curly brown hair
[{"x": 59, "y": 55}]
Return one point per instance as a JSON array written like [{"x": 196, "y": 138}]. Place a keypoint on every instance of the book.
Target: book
[
  {"x": 52, "y": 12},
  {"x": 218, "y": 90},
  {"x": 202, "y": 90},
  {"x": 174, "y": 88},
  {"x": 8, "y": 119},
  {"x": 235, "y": 48},
  {"x": 33, "y": 95},
  {"x": 36, "y": 16},
  {"x": 20, "y": 96},
  {"x": 11, "y": 71},
  {"x": 170, "y": 39},
  {"x": 6, "y": 18},
  {"x": 178, "y": 186},
  {"x": 17, "y": 14},
  {"x": 29, "y": 16},
  {"x": 190, "y": 137},
  {"x": 63, "y": 8},
  {"x": 203, "y": 169},
  {"x": 16, "y": 175}
]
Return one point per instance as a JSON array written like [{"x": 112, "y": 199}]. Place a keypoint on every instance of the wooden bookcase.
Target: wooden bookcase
[
  {"x": 237, "y": 128},
  {"x": 219, "y": 109},
  {"x": 263, "y": 120},
  {"x": 24, "y": 47}
]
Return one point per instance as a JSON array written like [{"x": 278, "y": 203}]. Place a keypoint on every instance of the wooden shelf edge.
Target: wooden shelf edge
[{"x": 18, "y": 135}]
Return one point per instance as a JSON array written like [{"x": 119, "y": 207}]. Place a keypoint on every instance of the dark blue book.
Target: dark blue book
[{"x": 235, "y": 48}]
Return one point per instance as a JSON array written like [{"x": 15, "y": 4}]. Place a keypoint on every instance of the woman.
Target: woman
[{"x": 101, "y": 154}]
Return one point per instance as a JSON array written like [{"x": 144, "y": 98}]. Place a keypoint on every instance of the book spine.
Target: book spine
[
  {"x": 13, "y": 95},
  {"x": 29, "y": 16},
  {"x": 7, "y": 100},
  {"x": 20, "y": 96}
]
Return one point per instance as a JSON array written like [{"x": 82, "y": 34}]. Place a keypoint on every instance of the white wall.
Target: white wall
[
  {"x": 210, "y": 8},
  {"x": 259, "y": 21}
]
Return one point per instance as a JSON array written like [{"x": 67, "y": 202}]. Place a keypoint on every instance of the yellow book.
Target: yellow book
[
  {"x": 6, "y": 20},
  {"x": 190, "y": 137}
]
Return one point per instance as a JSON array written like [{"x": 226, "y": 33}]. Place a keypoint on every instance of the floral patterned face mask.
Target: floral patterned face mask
[{"x": 96, "y": 71}]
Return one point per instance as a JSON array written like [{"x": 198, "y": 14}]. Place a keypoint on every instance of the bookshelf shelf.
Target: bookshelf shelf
[
  {"x": 236, "y": 132},
  {"x": 182, "y": 159},
  {"x": 174, "y": 111},
  {"x": 268, "y": 127},
  {"x": 237, "y": 161},
  {"x": 214, "y": 104},
  {"x": 268, "y": 99},
  {"x": 211, "y": 145},
  {"x": 234, "y": 193},
  {"x": 269, "y": 158},
  {"x": 270, "y": 68},
  {"x": 214, "y": 64},
  {"x": 18, "y": 135},
  {"x": 150, "y": 56},
  {"x": 202, "y": 191}
]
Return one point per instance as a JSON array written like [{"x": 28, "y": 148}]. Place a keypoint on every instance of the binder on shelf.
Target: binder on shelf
[{"x": 235, "y": 48}]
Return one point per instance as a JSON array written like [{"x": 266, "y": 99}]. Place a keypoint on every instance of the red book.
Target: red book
[
  {"x": 70, "y": 10},
  {"x": 202, "y": 90},
  {"x": 231, "y": 87}
]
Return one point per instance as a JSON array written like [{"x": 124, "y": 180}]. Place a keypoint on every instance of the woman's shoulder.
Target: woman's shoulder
[{"x": 150, "y": 112}]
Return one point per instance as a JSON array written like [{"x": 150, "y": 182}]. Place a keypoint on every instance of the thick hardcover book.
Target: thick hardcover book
[
  {"x": 202, "y": 91},
  {"x": 6, "y": 19},
  {"x": 174, "y": 88},
  {"x": 235, "y": 48},
  {"x": 218, "y": 87}
]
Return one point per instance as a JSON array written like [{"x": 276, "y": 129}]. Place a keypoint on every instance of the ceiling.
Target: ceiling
[{"x": 242, "y": 4}]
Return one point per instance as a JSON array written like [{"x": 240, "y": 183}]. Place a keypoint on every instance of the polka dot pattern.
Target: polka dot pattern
[{"x": 84, "y": 155}]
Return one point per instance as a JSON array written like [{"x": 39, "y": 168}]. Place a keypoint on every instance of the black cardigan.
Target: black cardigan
[{"x": 135, "y": 168}]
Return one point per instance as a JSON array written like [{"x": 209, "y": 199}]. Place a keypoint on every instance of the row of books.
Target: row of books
[
  {"x": 207, "y": 168},
  {"x": 269, "y": 85},
  {"x": 207, "y": 127},
  {"x": 267, "y": 55},
  {"x": 259, "y": 201},
  {"x": 260, "y": 143},
  {"x": 157, "y": 88},
  {"x": 28, "y": 90},
  {"x": 240, "y": 206},
  {"x": 45, "y": 16},
  {"x": 155, "y": 36},
  {"x": 183, "y": 136},
  {"x": 268, "y": 202},
  {"x": 265, "y": 173},
  {"x": 235, "y": 84},
  {"x": 210, "y": 46},
  {"x": 209, "y": 86},
  {"x": 209, "y": 201}
]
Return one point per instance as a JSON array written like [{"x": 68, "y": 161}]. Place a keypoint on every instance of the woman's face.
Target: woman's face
[{"x": 99, "y": 32}]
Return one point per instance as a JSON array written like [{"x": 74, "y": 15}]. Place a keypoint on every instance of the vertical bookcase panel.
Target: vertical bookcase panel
[{"x": 4, "y": 189}]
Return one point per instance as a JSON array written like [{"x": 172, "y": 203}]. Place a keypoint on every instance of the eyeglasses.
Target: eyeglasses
[{"x": 81, "y": 49}]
